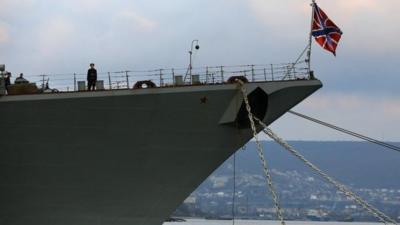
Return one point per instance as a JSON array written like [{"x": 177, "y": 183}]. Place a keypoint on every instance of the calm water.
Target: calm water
[{"x": 258, "y": 222}]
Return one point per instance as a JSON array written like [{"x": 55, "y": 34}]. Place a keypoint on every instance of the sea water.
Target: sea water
[{"x": 260, "y": 222}]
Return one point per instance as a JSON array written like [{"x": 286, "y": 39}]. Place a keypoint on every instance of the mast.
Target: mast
[{"x": 310, "y": 37}]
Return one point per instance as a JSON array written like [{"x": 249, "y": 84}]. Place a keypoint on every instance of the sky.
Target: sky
[{"x": 360, "y": 90}]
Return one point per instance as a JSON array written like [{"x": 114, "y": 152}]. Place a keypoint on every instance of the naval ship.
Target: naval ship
[{"x": 129, "y": 155}]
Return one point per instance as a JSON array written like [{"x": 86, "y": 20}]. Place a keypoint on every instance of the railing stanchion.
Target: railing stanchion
[
  {"x": 74, "y": 81},
  {"x": 265, "y": 74},
  {"x": 127, "y": 79},
  {"x": 272, "y": 72},
  {"x": 294, "y": 70},
  {"x": 161, "y": 78},
  {"x": 252, "y": 73},
  {"x": 43, "y": 81},
  {"x": 109, "y": 81},
  {"x": 222, "y": 74},
  {"x": 207, "y": 75},
  {"x": 173, "y": 76}
]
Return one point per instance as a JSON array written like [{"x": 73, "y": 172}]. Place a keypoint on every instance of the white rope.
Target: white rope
[
  {"x": 346, "y": 191},
  {"x": 261, "y": 155}
]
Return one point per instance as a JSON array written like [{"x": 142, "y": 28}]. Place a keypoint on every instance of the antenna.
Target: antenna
[{"x": 197, "y": 47}]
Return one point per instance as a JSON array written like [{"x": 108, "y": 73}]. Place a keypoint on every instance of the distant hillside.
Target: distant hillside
[
  {"x": 370, "y": 171},
  {"x": 359, "y": 164}
]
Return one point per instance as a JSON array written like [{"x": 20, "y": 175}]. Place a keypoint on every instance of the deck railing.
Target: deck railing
[{"x": 166, "y": 77}]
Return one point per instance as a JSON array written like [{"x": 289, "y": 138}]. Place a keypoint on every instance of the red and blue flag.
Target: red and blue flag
[{"x": 325, "y": 31}]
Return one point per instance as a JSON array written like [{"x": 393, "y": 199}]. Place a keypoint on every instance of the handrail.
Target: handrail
[{"x": 166, "y": 77}]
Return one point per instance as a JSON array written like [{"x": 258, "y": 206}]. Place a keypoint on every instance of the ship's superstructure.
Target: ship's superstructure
[{"x": 123, "y": 157}]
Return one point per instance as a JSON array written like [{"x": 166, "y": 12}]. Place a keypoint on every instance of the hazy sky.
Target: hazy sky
[{"x": 361, "y": 85}]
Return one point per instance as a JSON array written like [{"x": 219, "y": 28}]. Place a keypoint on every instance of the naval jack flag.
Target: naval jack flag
[{"x": 324, "y": 30}]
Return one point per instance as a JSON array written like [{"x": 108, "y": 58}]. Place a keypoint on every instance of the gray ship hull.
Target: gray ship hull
[{"x": 123, "y": 157}]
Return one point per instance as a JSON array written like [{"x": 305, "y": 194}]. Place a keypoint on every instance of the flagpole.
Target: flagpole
[{"x": 310, "y": 38}]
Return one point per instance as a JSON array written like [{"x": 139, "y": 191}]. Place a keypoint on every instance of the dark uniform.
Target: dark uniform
[
  {"x": 7, "y": 79},
  {"x": 91, "y": 78}
]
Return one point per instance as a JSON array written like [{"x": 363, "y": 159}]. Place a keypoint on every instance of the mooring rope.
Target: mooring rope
[
  {"x": 234, "y": 190},
  {"x": 260, "y": 151},
  {"x": 354, "y": 134},
  {"x": 342, "y": 188}
]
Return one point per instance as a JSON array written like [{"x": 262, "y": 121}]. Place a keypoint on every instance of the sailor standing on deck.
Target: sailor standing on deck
[
  {"x": 92, "y": 77},
  {"x": 7, "y": 79}
]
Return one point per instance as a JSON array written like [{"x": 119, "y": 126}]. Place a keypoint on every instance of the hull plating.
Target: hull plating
[{"x": 120, "y": 157}]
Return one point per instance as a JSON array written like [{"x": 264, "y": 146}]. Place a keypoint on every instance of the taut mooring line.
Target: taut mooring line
[{"x": 351, "y": 133}]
